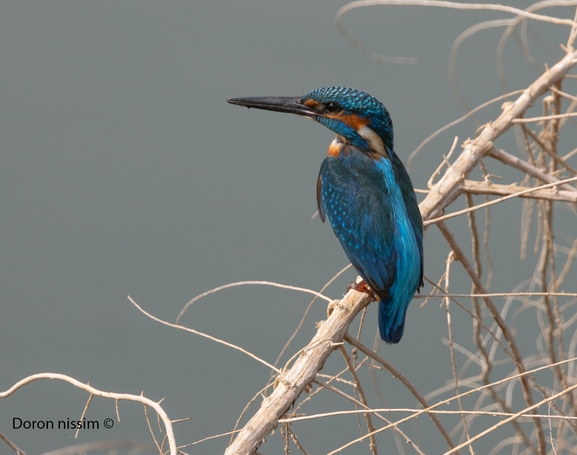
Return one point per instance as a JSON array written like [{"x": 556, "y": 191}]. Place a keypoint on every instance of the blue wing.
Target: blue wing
[
  {"x": 356, "y": 205},
  {"x": 412, "y": 206},
  {"x": 373, "y": 211}
]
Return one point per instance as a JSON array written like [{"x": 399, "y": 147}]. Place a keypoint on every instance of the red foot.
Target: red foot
[{"x": 362, "y": 287}]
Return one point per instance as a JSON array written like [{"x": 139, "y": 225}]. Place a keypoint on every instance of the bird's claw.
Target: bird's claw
[{"x": 362, "y": 286}]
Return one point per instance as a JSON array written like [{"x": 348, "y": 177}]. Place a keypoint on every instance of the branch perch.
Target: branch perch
[{"x": 292, "y": 382}]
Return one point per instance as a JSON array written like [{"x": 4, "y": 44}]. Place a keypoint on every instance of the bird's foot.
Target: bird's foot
[{"x": 362, "y": 286}]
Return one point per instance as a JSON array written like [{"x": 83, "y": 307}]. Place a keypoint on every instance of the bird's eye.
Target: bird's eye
[{"x": 332, "y": 107}]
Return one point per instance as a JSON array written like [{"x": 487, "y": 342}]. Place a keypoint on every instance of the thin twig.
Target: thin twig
[
  {"x": 517, "y": 358},
  {"x": 196, "y": 332},
  {"x": 401, "y": 377},
  {"x": 249, "y": 283},
  {"x": 10, "y": 444},
  {"x": 359, "y": 388}
]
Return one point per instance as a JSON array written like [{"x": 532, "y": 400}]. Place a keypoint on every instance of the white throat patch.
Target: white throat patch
[{"x": 375, "y": 142}]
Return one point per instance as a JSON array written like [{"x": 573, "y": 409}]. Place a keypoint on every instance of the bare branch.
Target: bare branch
[
  {"x": 101, "y": 393},
  {"x": 474, "y": 187}
]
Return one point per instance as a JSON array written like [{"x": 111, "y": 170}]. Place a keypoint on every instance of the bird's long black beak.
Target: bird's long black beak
[{"x": 288, "y": 104}]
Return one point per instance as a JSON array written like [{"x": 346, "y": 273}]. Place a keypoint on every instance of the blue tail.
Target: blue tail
[{"x": 391, "y": 321}]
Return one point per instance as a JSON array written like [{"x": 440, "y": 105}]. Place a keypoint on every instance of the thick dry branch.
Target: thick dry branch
[
  {"x": 449, "y": 186},
  {"x": 291, "y": 383},
  {"x": 474, "y": 187}
]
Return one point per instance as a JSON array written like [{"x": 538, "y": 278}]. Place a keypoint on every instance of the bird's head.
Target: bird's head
[{"x": 356, "y": 117}]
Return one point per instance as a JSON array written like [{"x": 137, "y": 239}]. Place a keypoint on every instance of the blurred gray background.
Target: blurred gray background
[{"x": 124, "y": 171}]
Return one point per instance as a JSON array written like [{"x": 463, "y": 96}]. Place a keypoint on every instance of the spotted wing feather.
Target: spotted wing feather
[{"x": 355, "y": 209}]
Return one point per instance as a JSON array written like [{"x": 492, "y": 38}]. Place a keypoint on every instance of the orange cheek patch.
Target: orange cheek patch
[{"x": 354, "y": 121}]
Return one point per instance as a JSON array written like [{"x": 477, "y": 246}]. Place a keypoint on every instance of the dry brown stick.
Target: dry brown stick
[
  {"x": 477, "y": 325},
  {"x": 447, "y": 303},
  {"x": 515, "y": 416},
  {"x": 13, "y": 446},
  {"x": 550, "y": 137},
  {"x": 547, "y": 251},
  {"x": 390, "y": 424},
  {"x": 359, "y": 387},
  {"x": 296, "y": 440},
  {"x": 476, "y": 187},
  {"x": 528, "y": 168},
  {"x": 550, "y": 152},
  {"x": 397, "y": 374},
  {"x": 517, "y": 358},
  {"x": 554, "y": 128}
]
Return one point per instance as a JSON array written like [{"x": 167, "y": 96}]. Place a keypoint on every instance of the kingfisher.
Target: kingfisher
[{"x": 367, "y": 195}]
